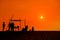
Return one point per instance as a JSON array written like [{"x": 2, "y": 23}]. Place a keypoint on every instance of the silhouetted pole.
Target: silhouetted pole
[
  {"x": 25, "y": 21},
  {"x": 20, "y": 25}
]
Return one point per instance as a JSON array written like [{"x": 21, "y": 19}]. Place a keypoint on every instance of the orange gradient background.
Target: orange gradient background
[{"x": 31, "y": 10}]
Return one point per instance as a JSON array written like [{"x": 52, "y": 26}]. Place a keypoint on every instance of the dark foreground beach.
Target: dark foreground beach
[{"x": 35, "y": 35}]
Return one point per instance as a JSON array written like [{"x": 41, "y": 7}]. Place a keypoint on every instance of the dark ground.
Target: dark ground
[{"x": 37, "y": 35}]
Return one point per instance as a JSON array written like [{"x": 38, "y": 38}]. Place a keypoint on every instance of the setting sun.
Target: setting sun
[{"x": 41, "y": 17}]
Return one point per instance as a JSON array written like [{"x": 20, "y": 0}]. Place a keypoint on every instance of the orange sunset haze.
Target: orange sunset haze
[{"x": 44, "y": 15}]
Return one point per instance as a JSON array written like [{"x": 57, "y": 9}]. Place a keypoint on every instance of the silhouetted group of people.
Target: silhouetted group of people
[
  {"x": 25, "y": 29},
  {"x": 11, "y": 27}
]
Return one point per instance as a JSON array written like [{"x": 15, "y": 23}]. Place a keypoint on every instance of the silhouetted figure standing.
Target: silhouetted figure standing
[
  {"x": 32, "y": 28},
  {"x": 26, "y": 28},
  {"x": 3, "y": 26},
  {"x": 11, "y": 26}
]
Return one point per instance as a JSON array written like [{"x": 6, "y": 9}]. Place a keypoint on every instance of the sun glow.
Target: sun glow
[{"x": 41, "y": 17}]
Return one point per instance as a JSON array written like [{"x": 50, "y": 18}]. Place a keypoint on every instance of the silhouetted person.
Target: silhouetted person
[
  {"x": 32, "y": 28},
  {"x": 3, "y": 26},
  {"x": 11, "y": 26},
  {"x": 25, "y": 29}
]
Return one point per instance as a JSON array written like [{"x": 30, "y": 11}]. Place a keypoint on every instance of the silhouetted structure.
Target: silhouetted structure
[
  {"x": 18, "y": 21},
  {"x": 11, "y": 25},
  {"x": 3, "y": 25}
]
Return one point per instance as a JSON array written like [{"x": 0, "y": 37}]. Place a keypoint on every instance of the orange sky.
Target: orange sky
[{"x": 32, "y": 10}]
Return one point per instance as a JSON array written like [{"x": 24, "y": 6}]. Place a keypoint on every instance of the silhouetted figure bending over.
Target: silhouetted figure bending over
[
  {"x": 3, "y": 26},
  {"x": 25, "y": 29}
]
